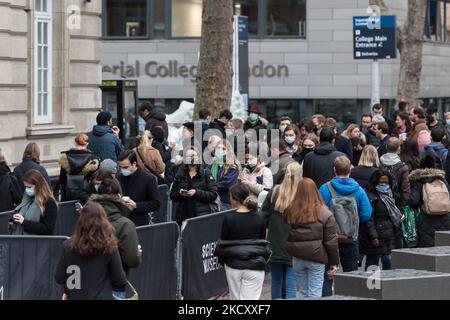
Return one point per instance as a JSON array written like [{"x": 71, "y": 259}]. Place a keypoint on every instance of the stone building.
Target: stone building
[{"x": 50, "y": 74}]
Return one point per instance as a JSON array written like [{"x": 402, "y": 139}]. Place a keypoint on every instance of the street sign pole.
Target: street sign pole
[{"x": 375, "y": 82}]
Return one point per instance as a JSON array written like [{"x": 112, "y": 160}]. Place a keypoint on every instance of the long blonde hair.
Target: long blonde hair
[
  {"x": 231, "y": 161},
  {"x": 42, "y": 189},
  {"x": 369, "y": 157},
  {"x": 288, "y": 188},
  {"x": 145, "y": 139}
]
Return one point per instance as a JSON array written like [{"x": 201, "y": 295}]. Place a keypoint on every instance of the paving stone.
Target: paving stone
[
  {"x": 431, "y": 259},
  {"x": 442, "y": 238}
]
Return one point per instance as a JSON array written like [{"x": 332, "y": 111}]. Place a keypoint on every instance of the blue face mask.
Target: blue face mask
[
  {"x": 97, "y": 187},
  {"x": 383, "y": 188},
  {"x": 253, "y": 116},
  {"x": 289, "y": 139},
  {"x": 220, "y": 154},
  {"x": 283, "y": 127},
  {"x": 126, "y": 172},
  {"x": 30, "y": 192},
  {"x": 448, "y": 122}
]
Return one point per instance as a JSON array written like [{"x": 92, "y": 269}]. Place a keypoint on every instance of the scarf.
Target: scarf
[
  {"x": 388, "y": 199},
  {"x": 29, "y": 209},
  {"x": 215, "y": 168}
]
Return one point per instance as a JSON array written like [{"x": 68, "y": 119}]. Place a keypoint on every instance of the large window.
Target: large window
[
  {"x": 43, "y": 62},
  {"x": 186, "y": 18},
  {"x": 286, "y": 18},
  {"x": 248, "y": 8},
  {"x": 437, "y": 20},
  {"x": 127, "y": 18}
]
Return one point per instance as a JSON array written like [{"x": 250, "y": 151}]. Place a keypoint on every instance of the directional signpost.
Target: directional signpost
[{"x": 374, "y": 38}]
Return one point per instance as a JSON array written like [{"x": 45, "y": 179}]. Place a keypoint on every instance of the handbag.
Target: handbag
[
  {"x": 408, "y": 226},
  {"x": 134, "y": 293}
]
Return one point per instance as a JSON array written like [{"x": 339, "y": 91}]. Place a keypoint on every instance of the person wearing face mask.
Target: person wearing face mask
[
  {"x": 255, "y": 174},
  {"x": 284, "y": 122},
  {"x": 104, "y": 139},
  {"x": 194, "y": 188},
  {"x": 377, "y": 234},
  {"x": 310, "y": 142},
  {"x": 36, "y": 215},
  {"x": 293, "y": 145},
  {"x": 139, "y": 187},
  {"x": 225, "y": 171},
  {"x": 255, "y": 121}
]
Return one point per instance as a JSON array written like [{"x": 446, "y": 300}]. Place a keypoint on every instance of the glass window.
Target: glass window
[
  {"x": 286, "y": 18},
  {"x": 343, "y": 110},
  {"x": 437, "y": 21},
  {"x": 248, "y": 8},
  {"x": 43, "y": 62},
  {"x": 126, "y": 18},
  {"x": 186, "y": 18},
  {"x": 159, "y": 27}
]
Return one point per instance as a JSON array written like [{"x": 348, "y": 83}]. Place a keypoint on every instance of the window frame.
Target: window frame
[
  {"x": 44, "y": 17},
  {"x": 432, "y": 37}
]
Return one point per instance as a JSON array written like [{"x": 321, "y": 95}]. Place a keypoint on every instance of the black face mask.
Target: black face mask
[{"x": 307, "y": 150}]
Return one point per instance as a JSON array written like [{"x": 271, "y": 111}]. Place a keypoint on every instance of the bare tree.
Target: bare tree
[
  {"x": 410, "y": 44},
  {"x": 215, "y": 71}
]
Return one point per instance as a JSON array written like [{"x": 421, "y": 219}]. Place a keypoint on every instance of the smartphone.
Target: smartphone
[
  {"x": 78, "y": 206},
  {"x": 183, "y": 191}
]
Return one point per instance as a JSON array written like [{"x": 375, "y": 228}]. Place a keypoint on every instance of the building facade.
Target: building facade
[
  {"x": 50, "y": 74},
  {"x": 301, "y": 54}
]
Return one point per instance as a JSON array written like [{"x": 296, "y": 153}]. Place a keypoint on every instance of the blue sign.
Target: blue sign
[{"x": 374, "y": 37}]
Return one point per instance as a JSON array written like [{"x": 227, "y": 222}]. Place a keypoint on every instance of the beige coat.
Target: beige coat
[{"x": 149, "y": 159}]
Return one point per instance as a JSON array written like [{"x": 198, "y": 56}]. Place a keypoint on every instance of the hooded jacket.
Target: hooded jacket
[
  {"x": 157, "y": 118},
  {"x": 436, "y": 148},
  {"x": 104, "y": 143},
  {"x": 345, "y": 187},
  {"x": 316, "y": 242},
  {"x": 430, "y": 224},
  {"x": 418, "y": 126},
  {"x": 76, "y": 162},
  {"x": 29, "y": 164},
  {"x": 318, "y": 165},
  {"x": 117, "y": 213},
  {"x": 260, "y": 178},
  {"x": 10, "y": 189},
  {"x": 391, "y": 162}
]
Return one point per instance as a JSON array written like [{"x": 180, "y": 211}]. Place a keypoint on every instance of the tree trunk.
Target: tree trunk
[
  {"x": 215, "y": 71},
  {"x": 410, "y": 45}
]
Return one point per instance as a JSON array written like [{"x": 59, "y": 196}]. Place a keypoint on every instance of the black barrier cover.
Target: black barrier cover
[
  {"x": 203, "y": 277},
  {"x": 160, "y": 215},
  {"x": 156, "y": 277},
  {"x": 66, "y": 219},
  {"x": 4, "y": 222},
  {"x": 27, "y": 267}
]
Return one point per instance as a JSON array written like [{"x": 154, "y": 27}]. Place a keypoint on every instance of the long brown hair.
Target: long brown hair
[
  {"x": 43, "y": 191},
  {"x": 306, "y": 205},
  {"x": 93, "y": 233},
  {"x": 32, "y": 151}
]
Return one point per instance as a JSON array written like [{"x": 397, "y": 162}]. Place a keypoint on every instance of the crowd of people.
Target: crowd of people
[{"x": 308, "y": 200}]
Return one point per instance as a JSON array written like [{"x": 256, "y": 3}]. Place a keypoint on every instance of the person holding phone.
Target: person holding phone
[
  {"x": 194, "y": 188},
  {"x": 36, "y": 215}
]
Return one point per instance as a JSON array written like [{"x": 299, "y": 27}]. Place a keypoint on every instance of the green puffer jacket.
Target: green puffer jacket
[
  {"x": 278, "y": 230},
  {"x": 126, "y": 233}
]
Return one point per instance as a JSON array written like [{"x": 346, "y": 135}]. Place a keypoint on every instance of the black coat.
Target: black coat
[
  {"x": 26, "y": 165},
  {"x": 100, "y": 274},
  {"x": 362, "y": 174},
  {"x": 378, "y": 227},
  {"x": 206, "y": 193},
  {"x": 46, "y": 224},
  {"x": 371, "y": 138},
  {"x": 166, "y": 155},
  {"x": 243, "y": 254},
  {"x": 157, "y": 118},
  {"x": 430, "y": 224},
  {"x": 142, "y": 188},
  {"x": 345, "y": 146},
  {"x": 218, "y": 125},
  {"x": 382, "y": 149},
  {"x": 10, "y": 190},
  {"x": 318, "y": 165}
]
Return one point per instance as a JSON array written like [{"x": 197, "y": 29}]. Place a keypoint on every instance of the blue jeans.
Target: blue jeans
[
  {"x": 283, "y": 277},
  {"x": 309, "y": 277},
  {"x": 348, "y": 254},
  {"x": 374, "y": 260}
]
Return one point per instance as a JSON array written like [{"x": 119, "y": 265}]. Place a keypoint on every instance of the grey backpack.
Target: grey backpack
[{"x": 346, "y": 215}]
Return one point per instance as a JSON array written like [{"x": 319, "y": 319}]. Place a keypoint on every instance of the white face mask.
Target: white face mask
[{"x": 252, "y": 162}]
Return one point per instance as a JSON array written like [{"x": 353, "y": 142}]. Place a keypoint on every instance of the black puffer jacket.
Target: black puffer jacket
[
  {"x": 378, "y": 227},
  {"x": 206, "y": 193},
  {"x": 243, "y": 254},
  {"x": 10, "y": 189},
  {"x": 318, "y": 165},
  {"x": 430, "y": 224},
  {"x": 157, "y": 118},
  {"x": 362, "y": 174}
]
